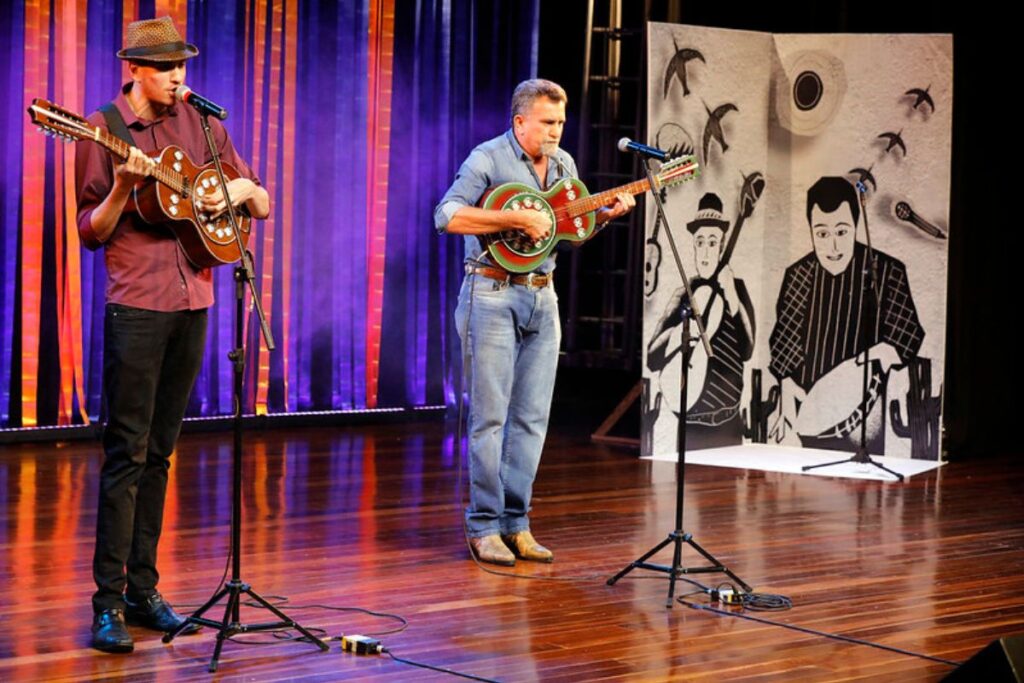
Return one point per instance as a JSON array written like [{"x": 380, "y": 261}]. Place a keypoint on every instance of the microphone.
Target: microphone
[
  {"x": 200, "y": 104},
  {"x": 905, "y": 213},
  {"x": 627, "y": 145},
  {"x": 558, "y": 162}
]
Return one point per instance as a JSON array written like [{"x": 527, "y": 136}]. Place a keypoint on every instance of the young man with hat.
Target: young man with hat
[{"x": 155, "y": 321}]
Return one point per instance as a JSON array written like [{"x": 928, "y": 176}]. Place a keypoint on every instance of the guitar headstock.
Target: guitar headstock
[
  {"x": 59, "y": 122},
  {"x": 677, "y": 171}
]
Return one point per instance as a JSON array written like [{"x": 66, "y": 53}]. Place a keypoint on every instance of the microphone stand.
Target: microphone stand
[
  {"x": 871, "y": 282},
  {"x": 677, "y": 536},
  {"x": 231, "y": 624}
]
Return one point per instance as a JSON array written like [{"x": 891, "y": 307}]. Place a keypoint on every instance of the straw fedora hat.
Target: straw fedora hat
[{"x": 156, "y": 40}]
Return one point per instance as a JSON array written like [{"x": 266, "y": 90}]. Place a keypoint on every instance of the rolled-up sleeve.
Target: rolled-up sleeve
[
  {"x": 94, "y": 177},
  {"x": 472, "y": 180}
]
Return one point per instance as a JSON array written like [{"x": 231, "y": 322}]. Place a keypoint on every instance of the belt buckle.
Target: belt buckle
[{"x": 530, "y": 280}]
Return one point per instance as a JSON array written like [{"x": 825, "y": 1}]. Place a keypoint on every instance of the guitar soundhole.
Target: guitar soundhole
[{"x": 517, "y": 240}]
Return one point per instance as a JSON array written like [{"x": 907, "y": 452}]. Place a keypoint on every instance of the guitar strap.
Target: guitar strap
[{"x": 115, "y": 123}]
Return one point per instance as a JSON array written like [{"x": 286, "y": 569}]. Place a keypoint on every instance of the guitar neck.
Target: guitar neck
[
  {"x": 120, "y": 149},
  {"x": 113, "y": 144},
  {"x": 55, "y": 120},
  {"x": 596, "y": 201}
]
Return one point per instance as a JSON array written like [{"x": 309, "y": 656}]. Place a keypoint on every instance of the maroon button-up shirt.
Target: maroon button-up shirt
[{"x": 145, "y": 266}]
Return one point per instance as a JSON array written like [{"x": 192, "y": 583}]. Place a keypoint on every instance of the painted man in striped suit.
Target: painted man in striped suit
[{"x": 826, "y": 318}]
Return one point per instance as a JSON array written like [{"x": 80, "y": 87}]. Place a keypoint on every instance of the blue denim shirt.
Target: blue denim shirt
[{"x": 497, "y": 161}]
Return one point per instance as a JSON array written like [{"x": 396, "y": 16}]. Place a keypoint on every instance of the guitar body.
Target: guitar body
[
  {"x": 206, "y": 242},
  {"x": 512, "y": 249}
]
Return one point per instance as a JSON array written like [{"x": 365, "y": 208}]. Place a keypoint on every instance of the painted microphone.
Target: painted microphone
[
  {"x": 200, "y": 104},
  {"x": 905, "y": 213}
]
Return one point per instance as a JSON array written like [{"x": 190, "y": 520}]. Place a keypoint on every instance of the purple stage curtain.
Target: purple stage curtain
[{"x": 455, "y": 64}]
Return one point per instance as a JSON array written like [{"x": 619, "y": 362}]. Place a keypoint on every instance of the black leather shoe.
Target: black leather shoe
[
  {"x": 109, "y": 632},
  {"x": 154, "y": 613}
]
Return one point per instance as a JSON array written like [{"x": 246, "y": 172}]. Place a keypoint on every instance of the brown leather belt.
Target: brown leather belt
[{"x": 535, "y": 280}]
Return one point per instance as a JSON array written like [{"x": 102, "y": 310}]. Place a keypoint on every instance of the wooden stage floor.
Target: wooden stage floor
[{"x": 369, "y": 517}]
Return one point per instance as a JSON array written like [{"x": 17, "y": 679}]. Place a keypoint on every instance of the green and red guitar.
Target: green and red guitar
[{"x": 572, "y": 210}]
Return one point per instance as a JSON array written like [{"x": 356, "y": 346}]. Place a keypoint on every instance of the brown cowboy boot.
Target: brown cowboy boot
[
  {"x": 491, "y": 549},
  {"x": 526, "y": 547}
]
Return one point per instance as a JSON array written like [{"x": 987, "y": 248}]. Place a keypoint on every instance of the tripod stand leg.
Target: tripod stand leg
[
  {"x": 883, "y": 467},
  {"x": 677, "y": 560},
  {"x": 721, "y": 567},
  {"x": 196, "y": 617},
  {"x": 226, "y": 627},
  {"x": 865, "y": 460},
  {"x": 636, "y": 563},
  {"x": 284, "y": 617},
  {"x": 806, "y": 468}
]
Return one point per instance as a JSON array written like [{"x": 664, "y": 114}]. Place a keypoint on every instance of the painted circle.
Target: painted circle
[{"x": 807, "y": 90}]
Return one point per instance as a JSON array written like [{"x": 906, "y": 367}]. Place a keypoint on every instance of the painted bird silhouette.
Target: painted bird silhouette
[
  {"x": 921, "y": 97},
  {"x": 713, "y": 128},
  {"x": 864, "y": 176},
  {"x": 894, "y": 140},
  {"x": 677, "y": 67},
  {"x": 674, "y": 139}
]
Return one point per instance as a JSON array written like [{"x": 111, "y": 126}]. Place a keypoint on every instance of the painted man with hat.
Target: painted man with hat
[
  {"x": 722, "y": 298},
  {"x": 154, "y": 325}
]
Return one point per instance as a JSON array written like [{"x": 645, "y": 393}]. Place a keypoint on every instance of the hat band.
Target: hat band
[{"x": 149, "y": 50}]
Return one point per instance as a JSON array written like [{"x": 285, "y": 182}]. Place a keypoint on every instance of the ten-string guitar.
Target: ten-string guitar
[
  {"x": 164, "y": 198},
  {"x": 571, "y": 209}
]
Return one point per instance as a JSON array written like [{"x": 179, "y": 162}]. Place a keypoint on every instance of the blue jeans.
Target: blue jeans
[{"x": 512, "y": 348}]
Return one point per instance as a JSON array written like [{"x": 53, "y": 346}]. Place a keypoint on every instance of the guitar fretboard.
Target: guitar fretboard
[
  {"x": 594, "y": 202},
  {"x": 161, "y": 173}
]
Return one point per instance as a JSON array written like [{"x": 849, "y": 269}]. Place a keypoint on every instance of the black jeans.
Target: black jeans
[{"x": 150, "y": 363}]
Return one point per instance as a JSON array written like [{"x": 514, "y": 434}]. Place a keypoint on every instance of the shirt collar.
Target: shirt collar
[
  {"x": 517, "y": 149},
  {"x": 128, "y": 114}
]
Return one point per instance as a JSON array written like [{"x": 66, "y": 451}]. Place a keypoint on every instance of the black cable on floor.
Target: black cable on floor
[
  {"x": 810, "y": 631},
  {"x": 281, "y": 600},
  {"x": 288, "y": 634},
  {"x": 410, "y": 662}
]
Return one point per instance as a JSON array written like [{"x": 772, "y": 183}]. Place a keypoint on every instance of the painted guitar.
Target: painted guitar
[
  {"x": 165, "y": 198},
  {"x": 572, "y": 211}
]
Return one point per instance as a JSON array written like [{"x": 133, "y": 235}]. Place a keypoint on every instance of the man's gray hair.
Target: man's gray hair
[{"x": 528, "y": 91}]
